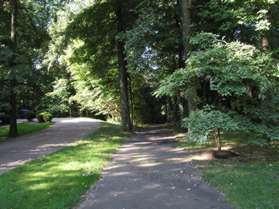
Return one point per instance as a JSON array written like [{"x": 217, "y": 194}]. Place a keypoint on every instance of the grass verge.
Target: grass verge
[
  {"x": 250, "y": 181},
  {"x": 57, "y": 181},
  {"x": 23, "y": 129}
]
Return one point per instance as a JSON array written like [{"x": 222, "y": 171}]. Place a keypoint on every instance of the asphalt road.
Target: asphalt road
[{"x": 65, "y": 131}]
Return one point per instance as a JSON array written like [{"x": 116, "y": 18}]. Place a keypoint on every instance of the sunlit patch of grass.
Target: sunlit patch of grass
[
  {"x": 247, "y": 185},
  {"x": 23, "y": 129},
  {"x": 58, "y": 180},
  {"x": 249, "y": 181}
]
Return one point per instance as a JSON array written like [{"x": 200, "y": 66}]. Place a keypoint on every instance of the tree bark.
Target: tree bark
[
  {"x": 13, "y": 106},
  {"x": 186, "y": 26},
  {"x": 123, "y": 71},
  {"x": 131, "y": 96},
  {"x": 186, "y": 34},
  {"x": 181, "y": 64}
]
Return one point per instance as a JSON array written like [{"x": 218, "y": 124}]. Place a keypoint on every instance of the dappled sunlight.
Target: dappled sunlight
[
  {"x": 46, "y": 146},
  {"x": 77, "y": 120},
  {"x": 76, "y": 165},
  {"x": 115, "y": 174},
  {"x": 161, "y": 138},
  {"x": 110, "y": 167},
  {"x": 149, "y": 164},
  {"x": 142, "y": 143},
  {"x": 142, "y": 159},
  {"x": 205, "y": 156},
  {"x": 39, "y": 186},
  {"x": 12, "y": 164},
  {"x": 127, "y": 148}
]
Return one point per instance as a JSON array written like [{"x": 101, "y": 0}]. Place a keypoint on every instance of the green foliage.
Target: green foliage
[
  {"x": 233, "y": 69},
  {"x": 66, "y": 58},
  {"x": 240, "y": 79},
  {"x": 204, "y": 122},
  {"x": 57, "y": 101},
  {"x": 44, "y": 117},
  {"x": 22, "y": 62},
  {"x": 88, "y": 60},
  {"x": 84, "y": 51},
  {"x": 204, "y": 41},
  {"x": 247, "y": 21},
  {"x": 251, "y": 123}
]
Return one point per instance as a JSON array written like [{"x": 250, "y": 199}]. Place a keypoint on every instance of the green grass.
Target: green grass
[
  {"x": 57, "y": 181},
  {"x": 23, "y": 129},
  {"x": 246, "y": 185},
  {"x": 250, "y": 181}
]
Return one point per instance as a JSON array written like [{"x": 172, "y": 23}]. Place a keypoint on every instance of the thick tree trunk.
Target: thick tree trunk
[
  {"x": 186, "y": 26},
  {"x": 13, "y": 108},
  {"x": 123, "y": 74},
  {"x": 181, "y": 64},
  {"x": 186, "y": 34}
]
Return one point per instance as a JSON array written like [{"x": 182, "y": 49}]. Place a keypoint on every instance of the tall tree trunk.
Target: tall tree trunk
[
  {"x": 13, "y": 108},
  {"x": 123, "y": 74},
  {"x": 131, "y": 96},
  {"x": 186, "y": 33},
  {"x": 181, "y": 64},
  {"x": 186, "y": 26}
]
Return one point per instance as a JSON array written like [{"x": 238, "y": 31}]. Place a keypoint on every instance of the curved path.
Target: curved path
[
  {"x": 64, "y": 132},
  {"x": 149, "y": 172}
]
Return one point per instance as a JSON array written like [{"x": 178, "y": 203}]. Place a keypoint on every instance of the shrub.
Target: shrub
[
  {"x": 44, "y": 117},
  {"x": 30, "y": 115},
  {"x": 204, "y": 122}
]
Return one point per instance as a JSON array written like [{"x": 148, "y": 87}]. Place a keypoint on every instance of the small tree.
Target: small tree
[{"x": 205, "y": 122}]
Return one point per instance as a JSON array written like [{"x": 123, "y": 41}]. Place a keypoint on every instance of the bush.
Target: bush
[
  {"x": 44, "y": 117},
  {"x": 204, "y": 122},
  {"x": 30, "y": 115}
]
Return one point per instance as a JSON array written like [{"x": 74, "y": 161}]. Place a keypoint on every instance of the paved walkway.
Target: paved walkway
[
  {"x": 64, "y": 132},
  {"x": 150, "y": 173}
]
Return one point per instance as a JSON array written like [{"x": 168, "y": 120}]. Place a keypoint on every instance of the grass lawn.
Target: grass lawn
[
  {"x": 250, "y": 181},
  {"x": 23, "y": 129},
  {"x": 57, "y": 181}
]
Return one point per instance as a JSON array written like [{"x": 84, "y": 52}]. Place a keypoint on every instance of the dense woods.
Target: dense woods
[{"x": 177, "y": 61}]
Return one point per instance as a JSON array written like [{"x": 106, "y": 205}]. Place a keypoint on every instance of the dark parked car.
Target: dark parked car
[
  {"x": 23, "y": 113},
  {"x": 26, "y": 114}
]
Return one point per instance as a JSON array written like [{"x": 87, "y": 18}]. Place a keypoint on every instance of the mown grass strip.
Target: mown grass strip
[
  {"x": 23, "y": 129},
  {"x": 57, "y": 181}
]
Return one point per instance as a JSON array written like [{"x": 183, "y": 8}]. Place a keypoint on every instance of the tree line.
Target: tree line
[{"x": 144, "y": 61}]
